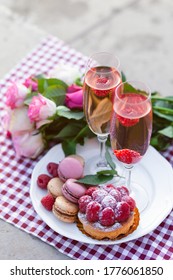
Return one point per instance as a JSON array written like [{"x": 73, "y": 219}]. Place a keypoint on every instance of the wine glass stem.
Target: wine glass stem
[
  {"x": 128, "y": 177},
  {"x": 102, "y": 141}
]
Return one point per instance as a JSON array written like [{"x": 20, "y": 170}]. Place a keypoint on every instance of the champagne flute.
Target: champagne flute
[
  {"x": 101, "y": 78},
  {"x": 130, "y": 131}
]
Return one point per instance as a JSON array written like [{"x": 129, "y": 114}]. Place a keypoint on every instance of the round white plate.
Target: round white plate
[{"x": 153, "y": 171}]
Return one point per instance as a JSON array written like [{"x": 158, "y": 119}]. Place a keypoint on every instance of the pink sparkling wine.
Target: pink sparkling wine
[
  {"x": 131, "y": 127},
  {"x": 99, "y": 88}
]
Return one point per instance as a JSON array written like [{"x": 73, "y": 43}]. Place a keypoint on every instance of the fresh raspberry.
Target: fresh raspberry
[
  {"x": 123, "y": 190},
  {"x": 83, "y": 202},
  {"x": 98, "y": 195},
  {"x": 101, "y": 92},
  {"x": 108, "y": 201},
  {"x": 43, "y": 180},
  {"x": 122, "y": 211},
  {"x": 127, "y": 156},
  {"x": 116, "y": 194},
  {"x": 102, "y": 80},
  {"x": 48, "y": 201},
  {"x": 92, "y": 211},
  {"x": 109, "y": 187},
  {"x": 91, "y": 190},
  {"x": 107, "y": 217},
  {"x": 52, "y": 168},
  {"x": 127, "y": 122},
  {"x": 131, "y": 202}
]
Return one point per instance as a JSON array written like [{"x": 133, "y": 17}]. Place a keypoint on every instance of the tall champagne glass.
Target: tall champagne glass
[
  {"x": 130, "y": 131},
  {"x": 101, "y": 78}
]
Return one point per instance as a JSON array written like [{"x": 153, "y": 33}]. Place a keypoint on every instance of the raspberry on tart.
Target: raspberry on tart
[
  {"x": 108, "y": 214},
  {"x": 83, "y": 202},
  {"x": 129, "y": 201},
  {"x": 107, "y": 217},
  {"x": 98, "y": 195},
  {"x": 90, "y": 190},
  {"x": 92, "y": 211},
  {"x": 122, "y": 190},
  {"x": 116, "y": 194},
  {"x": 122, "y": 211}
]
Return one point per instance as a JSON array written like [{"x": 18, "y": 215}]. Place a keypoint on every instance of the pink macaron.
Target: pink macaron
[
  {"x": 70, "y": 167},
  {"x": 73, "y": 190}
]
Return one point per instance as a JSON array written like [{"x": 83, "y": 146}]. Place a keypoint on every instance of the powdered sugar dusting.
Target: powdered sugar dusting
[
  {"x": 97, "y": 225},
  {"x": 109, "y": 201},
  {"x": 98, "y": 195},
  {"x": 108, "y": 208}
]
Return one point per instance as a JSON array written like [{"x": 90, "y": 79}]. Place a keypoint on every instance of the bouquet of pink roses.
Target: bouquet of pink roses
[
  {"x": 44, "y": 109},
  {"x": 49, "y": 108}
]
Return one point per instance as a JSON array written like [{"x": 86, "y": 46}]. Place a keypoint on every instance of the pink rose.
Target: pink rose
[
  {"x": 17, "y": 120},
  {"x": 28, "y": 144},
  {"x": 15, "y": 95},
  {"x": 40, "y": 109},
  {"x": 29, "y": 83},
  {"x": 74, "y": 97}
]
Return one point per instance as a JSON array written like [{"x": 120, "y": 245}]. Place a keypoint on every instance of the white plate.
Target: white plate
[{"x": 153, "y": 171}]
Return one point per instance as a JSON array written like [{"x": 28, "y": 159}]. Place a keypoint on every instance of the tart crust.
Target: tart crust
[{"x": 122, "y": 230}]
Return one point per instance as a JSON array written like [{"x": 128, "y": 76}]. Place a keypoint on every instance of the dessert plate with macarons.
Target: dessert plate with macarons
[{"x": 103, "y": 214}]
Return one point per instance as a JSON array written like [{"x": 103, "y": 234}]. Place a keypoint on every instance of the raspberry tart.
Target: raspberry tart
[{"x": 107, "y": 212}]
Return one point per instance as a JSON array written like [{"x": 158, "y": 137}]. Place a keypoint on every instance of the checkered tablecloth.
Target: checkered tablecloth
[{"x": 15, "y": 174}]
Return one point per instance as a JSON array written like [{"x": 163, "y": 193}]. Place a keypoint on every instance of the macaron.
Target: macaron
[
  {"x": 70, "y": 167},
  {"x": 78, "y": 157},
  {"x": 73, "y": 190},
  {"x": 65, "y": 210},
  {"x": 54, "y": 187}
]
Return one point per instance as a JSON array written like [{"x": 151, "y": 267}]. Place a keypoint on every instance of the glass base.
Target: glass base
[
  {"x": 93, "y": 165},
  {"x": 140, "y": 196},
  {"x": 138, "y": 193}
]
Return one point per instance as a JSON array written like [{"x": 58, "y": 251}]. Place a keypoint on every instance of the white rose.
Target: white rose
[{"x": 66, "y": 73}]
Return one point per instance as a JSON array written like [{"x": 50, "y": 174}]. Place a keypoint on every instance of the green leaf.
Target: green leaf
[
  {"x": 82, "y": 133},
  {"x": 109, "y": 160},
  {"x": 29, "y": 97},
  {"x": 56, "y": 94},
  {"x": 107, "y": 172},
  {"x": 65, "y": 112},
  {"x": 78, "y": 82},
  {"x": 155, "y": 94},
  {"x": 95, "y": 179},
  {"x": 165, "y": 101},
  {"x": 167, "y": 131},
  {"x": 57, "y": 82},
  {"x": 41, "y": 85},
  {"x": 69, "y": 147},
  {"x": 68, "y": 131},
  {"x": 44, "y": 83},
  {"x": 164, "y": 110},
  {"x": 163, "y": 115},
  {"x": 160, "y": 142},
  {"x": 123, "y": 77}
]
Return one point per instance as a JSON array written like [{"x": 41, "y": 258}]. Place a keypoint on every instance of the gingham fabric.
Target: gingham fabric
[{"x": 15, "y": 174}]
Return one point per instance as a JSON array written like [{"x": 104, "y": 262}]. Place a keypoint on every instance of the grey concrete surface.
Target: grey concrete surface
[{"x": 140, "y": 33}]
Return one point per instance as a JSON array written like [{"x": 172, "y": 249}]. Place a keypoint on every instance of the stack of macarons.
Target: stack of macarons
[{"x": 64, "y": 189}]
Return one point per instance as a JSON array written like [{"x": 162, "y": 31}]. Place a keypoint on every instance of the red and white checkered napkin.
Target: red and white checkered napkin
[{"x": 15, "y": 174}]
